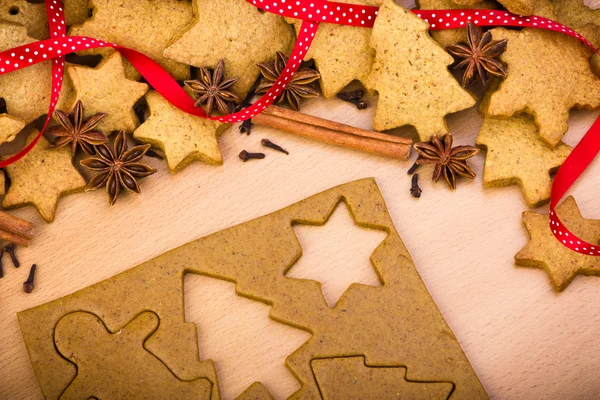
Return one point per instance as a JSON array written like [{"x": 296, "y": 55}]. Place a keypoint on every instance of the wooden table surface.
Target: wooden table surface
[{"x": 524, "y": 340}]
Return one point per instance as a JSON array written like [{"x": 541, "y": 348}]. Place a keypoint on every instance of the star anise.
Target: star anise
[
  {"x": 74, "y": 130},
  {"x": 299, "y": 87},
  {"x": 480, "y": 55},
  {"x": 118, "y": 168},
  {"x": 447, "y": 160},
  {"x": 211, "y": 90}
]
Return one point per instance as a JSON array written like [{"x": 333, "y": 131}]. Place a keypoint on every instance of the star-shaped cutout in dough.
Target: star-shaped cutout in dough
[
  {"x": 105, "y": 89},
  {"x": 548, "y": 74},
  {"x": 545, "y": 251},
  {"x": 411, "y": 74},
  {"x": 10, "y": 127},
  {"x": 27, "y": 91},
  {"x": 516, "y": 154},
  {"x": 41, "y": 177},
  {"x": 183, "y": 137},
  {"x": 341, "y": 53},
  {"x": 143, "y": 25},
  {"x": 347, "y": 267},
  {"x": 235, "y": 31}
]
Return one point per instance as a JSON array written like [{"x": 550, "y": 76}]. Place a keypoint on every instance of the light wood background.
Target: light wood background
[{"x": 524, "y": 340}]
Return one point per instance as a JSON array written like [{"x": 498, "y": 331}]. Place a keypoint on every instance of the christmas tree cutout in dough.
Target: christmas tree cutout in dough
[
  {"x": 411, "y": 75},
  {"x": 349, "y": 378}
]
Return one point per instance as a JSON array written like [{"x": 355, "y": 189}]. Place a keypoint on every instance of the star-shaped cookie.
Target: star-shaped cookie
[
  {"x": 31, "y": 15},
  {"x": 10, "y": 127},
  {"x": 76, "y": 11},
  {"x": 183, "y": 137},
  {"x": 545, "y": 251},
  {"x": 105, "y": 89},
  {"x": 548, "y": 74},
  {"x": 235, "y": 31},
  {"x": 26, "y": 91},
  {"x": 41, "y": 177},
  {"x": 452, "y": 37},
  {"x": 516, "y": 154},
  {"x": 143, "y": 25},
  {"x": 411, "y": 74},
  {"x": 341, "y": 53}
]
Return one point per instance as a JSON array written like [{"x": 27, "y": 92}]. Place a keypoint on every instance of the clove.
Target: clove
[
  {"x": 245, "y": 156},
  {"x": 246, "y": 126},
  {"x": 10, "y": 249},
  {"x": 415, "y": 190},
  {"x": 412, "y": 169},
  {"x": 271, "y": 145},
  {"x": 355, "y": 98},
  {"x": 28, "y": 284}
]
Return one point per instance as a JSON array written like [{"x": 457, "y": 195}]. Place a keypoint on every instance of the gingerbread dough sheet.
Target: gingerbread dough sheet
[{"x": 132, "y": 325}]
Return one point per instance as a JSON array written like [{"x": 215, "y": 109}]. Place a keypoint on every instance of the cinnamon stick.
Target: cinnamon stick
[
  {"x": 374, "y": 146},
  {"x": 12, "y": 238},
  {"x": 335, "y": 126},
  {"x": 334, "y": 133},
  {"x": 17, "y": 226}
]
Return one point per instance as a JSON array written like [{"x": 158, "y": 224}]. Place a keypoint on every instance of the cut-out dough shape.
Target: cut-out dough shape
[
  {"x": 343, "y": 268},
  {"x": 236, "y": 332},
  {"x": 395, "y": 324},
  {"x": 115, "y": 365},
  {"x": 256, "y": 391},
  {"x": 10, "y": 127},
  {"x": 348, "y": 378}
]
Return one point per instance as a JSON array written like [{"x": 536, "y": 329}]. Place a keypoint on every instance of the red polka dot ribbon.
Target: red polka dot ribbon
[{"x": 311, "y": 13}]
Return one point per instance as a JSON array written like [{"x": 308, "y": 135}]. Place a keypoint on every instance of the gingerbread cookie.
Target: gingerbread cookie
[
  {"x": 27, "y": 91},
  {"x": 341, "y": 53},
  {"x": 143, "y": 25},
  {"x": 411, "y": 75},
  {"x": 548, "y": 74},
  {"x": 31, "y": 15},
  {"x": 105, "y": 89},
  {"x": 452, "y": 37},
  {"x": 543, "y": 8},
  {"x": 183, "y": 137},
  {"x": 41, "y": 178},
  {"x": 10, "y": 127},
  {"x": 546, "y": 252},
  {"x": 516, "y": 154},
  {"x": 233, "y": 30},
  {"x": 76, "y": 11}
]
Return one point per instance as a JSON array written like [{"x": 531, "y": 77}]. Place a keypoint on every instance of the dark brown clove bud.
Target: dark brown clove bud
[
  {"x": 246, "y": 126},
  {"x": 354, "y": 97},
  {"x": 28, "y": 284},
  {"x": 415, "y": 190},
  {"x": 10, "y": 249},
  {"x": 271, "y": 145},
  {"x": 245, "y": 156},
  {"x": 412, "y": 169}
]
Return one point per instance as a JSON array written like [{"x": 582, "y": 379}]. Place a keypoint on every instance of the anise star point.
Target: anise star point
[
  {"x": 74, "y": 131},
  {"x": 118, "y": 168},
  {"x": 299, "y": 87},
  {"x": 449, "y": 161},
  {"x": 480, "y": 55},
  {"x": 213, "y": 91}
]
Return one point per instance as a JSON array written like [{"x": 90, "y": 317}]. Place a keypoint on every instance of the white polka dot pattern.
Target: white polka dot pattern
[{"x": 312, "y": 13}]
